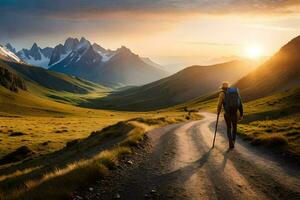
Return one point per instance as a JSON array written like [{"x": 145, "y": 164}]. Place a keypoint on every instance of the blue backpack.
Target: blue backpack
[{"x": 232, "y": 100}]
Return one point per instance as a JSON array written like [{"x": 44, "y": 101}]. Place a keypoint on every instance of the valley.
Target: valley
[{"x": 185, "y": 85}]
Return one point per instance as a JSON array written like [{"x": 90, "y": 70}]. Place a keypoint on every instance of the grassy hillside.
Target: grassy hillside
[
  {"x": 46, "y": 143},
  {"x": 55, "y": 86},
  {"x": 80, "y": 160},
  {"x": 280, "y": 72},
  {"x": 273, "y": 121},
  {"x": 30, "y": 118},
  {"x": 183, "y": 86},
  {"x": 38, "y": 120},
  {"x": 10, "y": 80}
]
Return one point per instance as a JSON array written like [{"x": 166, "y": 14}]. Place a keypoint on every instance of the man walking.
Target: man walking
[{"x": 230, "y": 99}]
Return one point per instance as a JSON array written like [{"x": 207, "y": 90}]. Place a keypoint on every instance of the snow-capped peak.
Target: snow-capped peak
[
  {"x": 105, "y": 54},
  {"x": 71, "y": 43},
  {"x": 97, "y": 47},
  {"x": 83, "y": 44},
  {"x": 7, "y": 54},
  {"x": 36, "y": 56}
]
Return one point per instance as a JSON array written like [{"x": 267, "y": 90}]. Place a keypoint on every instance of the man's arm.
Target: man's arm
[
  {"x": 241, "y": 107},
  {"x": 220, "y": 102}
]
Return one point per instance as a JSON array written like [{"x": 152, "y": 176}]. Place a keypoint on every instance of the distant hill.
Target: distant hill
[
  {"x": 280, "y": 72},
  {"x": 185, "y": 85}
]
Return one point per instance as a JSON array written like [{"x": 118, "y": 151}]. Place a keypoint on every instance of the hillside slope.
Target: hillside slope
[
  {"x": 280, "y": 72},
  {"x": 53, "y": 80},
  {"x": 10, "y": 80},
  {"x": 46, "y": 84},
  {"x": 183, "y": 86}
]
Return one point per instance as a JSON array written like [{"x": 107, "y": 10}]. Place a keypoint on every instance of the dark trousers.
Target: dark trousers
[{"x": 231, "y": 119}]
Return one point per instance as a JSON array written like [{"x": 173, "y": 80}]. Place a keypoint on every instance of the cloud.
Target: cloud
[
  {"x": 98, "y": 8},
  {"x": 22, "y": 19},
  {"x": 275, "y": 28}
]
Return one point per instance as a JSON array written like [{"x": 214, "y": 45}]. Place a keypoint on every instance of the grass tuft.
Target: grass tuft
[
  {"x": 273, "y": 141},
  {"x": 59, "y": 184}
]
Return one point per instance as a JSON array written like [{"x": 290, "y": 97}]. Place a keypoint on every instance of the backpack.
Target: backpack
[{"x": 232, "y": 100}]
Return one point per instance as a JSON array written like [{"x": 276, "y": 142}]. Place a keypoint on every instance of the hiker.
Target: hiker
[{"x": 230, "y": 99}]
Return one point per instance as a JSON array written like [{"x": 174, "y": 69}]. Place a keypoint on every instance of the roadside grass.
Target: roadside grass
[
  {"x": 280, "y": 134},
  {"x": 46, "y": 177},
  {"x": 274, "y": 122},
  {"x": 48, "y": 134}
]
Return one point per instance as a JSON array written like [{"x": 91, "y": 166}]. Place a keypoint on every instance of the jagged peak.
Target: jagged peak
[
  {"x": 97, "y": 47},
  {"x": 82, "y": 39},
  {"x": 70, "y": 43},
  {"x": 124, "y": 49},
  {"x": 10, "y": 47},
  {"x": 58, "y": 46},
  {"x": 83, "y": 44},
  {"x": 34, "y": 46},
  {"x": 72, "y": 39}
]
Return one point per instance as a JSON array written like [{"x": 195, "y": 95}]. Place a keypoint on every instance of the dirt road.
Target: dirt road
[{"x": 180, "y": 164}]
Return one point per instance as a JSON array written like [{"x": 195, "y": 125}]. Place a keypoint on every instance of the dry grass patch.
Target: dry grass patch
[
  {"x": 281, "y": 134},
  {"x": 60, "y": 182}
]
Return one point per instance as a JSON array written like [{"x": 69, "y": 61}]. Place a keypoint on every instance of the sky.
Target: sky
[{"x": 166, "y": 30}]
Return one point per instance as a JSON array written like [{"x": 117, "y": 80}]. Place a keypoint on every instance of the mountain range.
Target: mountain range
[
  {"x": 35, "y": 56},
  {"x": 92, "y": 62}
]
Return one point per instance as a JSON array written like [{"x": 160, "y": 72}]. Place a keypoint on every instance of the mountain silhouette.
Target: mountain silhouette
[{"x": 280, "y": 72}]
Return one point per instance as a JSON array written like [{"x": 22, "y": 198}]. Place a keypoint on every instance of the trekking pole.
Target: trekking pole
[{"x": 216, "y": 128}]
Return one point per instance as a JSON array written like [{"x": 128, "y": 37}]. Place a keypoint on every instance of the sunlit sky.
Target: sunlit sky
[{"x": 156, "y": 29}]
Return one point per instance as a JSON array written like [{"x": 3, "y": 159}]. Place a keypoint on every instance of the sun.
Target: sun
[{"x": 253, "y": 51}]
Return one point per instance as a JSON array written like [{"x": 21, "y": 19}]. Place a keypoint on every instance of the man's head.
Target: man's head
[{"x": 225, "y": 86}]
